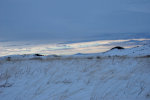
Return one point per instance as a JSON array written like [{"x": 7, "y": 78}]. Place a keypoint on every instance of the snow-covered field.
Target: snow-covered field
[{"x": 114, "y": 75}]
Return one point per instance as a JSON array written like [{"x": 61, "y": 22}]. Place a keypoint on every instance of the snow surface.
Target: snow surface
[
  {"x": 113, "y": 75},
  {"x": 136, "y": 51}
]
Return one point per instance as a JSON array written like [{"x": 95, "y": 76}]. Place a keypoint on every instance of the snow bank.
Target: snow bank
[
  {"x": 136, "y": 51},
  {"x": 113, "y": 75}
]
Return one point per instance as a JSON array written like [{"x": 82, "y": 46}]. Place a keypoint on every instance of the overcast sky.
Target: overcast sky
[{"x": 71, "y": 19}]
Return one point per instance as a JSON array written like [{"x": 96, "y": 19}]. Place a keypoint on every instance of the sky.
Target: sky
[
  {"x": 72, "y": 26},
  {"x": 57, "y": 20}
]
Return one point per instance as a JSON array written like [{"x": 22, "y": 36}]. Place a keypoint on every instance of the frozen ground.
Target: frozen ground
[{"x": 113, "y": 75}]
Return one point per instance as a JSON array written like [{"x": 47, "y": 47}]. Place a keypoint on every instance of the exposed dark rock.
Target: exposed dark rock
[
  {"x": 8, "y": 59},
  {"x": 38, "y": 55},
  {"x": 117, "y": 47}
]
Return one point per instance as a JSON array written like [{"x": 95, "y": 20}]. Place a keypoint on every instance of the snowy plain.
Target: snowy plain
[
  {"x": 67, "y": 27},
  {"x": 118, "y": 74}
]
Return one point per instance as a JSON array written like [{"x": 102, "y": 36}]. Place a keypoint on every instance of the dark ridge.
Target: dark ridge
[
  {"x": 8, "y": 58},
  {"x": 56, "y": 56},
  {"x": 147, "y": 56},
  {"x": 98, "y": 57},
  {"x": 38, "y": 55},
  {"x": 117, "y": 47},
  {"x": 79, "y": 54}
]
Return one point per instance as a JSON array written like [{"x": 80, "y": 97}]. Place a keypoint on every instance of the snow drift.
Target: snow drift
[{"x": 113, "y": 75}]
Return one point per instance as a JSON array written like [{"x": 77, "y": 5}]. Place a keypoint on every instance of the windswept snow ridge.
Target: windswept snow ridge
[
  {"x": 136, "y": 51},
  {"x": 113, "y": 75}
]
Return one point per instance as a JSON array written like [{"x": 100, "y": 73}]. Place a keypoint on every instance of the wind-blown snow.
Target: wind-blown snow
[
  {"x": 113, "y": 75},
  {"x": 136, "y": 51}
]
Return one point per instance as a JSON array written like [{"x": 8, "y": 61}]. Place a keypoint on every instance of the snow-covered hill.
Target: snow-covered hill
[{"x": 113, "y": 75}]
